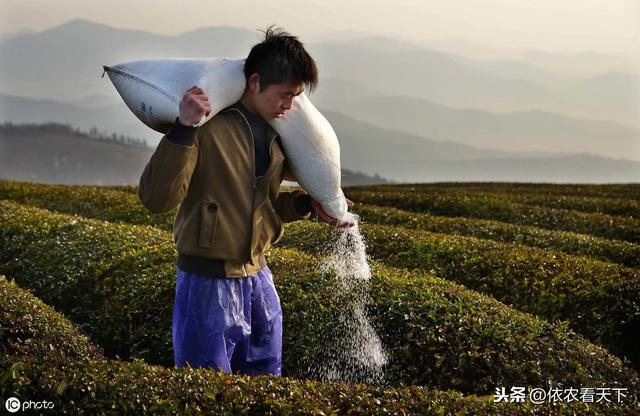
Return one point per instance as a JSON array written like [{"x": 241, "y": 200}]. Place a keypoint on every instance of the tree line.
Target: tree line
[{"x": 8, "y": 128}]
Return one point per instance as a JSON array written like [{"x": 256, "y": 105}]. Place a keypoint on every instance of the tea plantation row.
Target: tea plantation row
[
  {"x": 611, "y": 205},
  {"x": 119, "y": 203},
  {"x": 46, "y": 357},
  {"x": 623, "y": 252},
  {"x": 494, "y": 208},
  {"x": 622, "y": 190},
  {"x": 600, "y": 300},
  {"x": 117, "y": 282}
]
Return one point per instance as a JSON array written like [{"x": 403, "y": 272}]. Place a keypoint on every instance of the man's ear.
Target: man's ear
[{"x": 254, "y": 82}]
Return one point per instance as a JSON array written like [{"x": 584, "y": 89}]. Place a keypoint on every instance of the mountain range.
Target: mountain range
[
  {"x": 403, "y": 103},
  {"x": 55, "y": 153}
]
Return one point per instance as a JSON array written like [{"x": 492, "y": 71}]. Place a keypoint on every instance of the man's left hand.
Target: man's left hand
[{"x": 324, "y": 217}]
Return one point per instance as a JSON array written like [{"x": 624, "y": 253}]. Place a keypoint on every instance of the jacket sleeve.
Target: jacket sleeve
[
  {"x": 294, "y": 205},
  {"x": 166, "y": 177},
  {"x": 287, "y": 175}
]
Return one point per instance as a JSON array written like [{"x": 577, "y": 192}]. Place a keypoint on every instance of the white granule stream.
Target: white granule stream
[{"x": 353, "y": 352}]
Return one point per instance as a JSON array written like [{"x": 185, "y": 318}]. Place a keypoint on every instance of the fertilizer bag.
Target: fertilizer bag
[{"x": 152, "y": 89}]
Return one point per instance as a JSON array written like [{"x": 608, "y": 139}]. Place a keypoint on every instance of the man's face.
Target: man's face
[{"x": 275, "y": 100}]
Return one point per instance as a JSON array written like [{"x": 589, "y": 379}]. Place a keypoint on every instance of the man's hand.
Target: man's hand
[
  {"x": 323, "y": 216},
  {"x": 194, "y": 105}
]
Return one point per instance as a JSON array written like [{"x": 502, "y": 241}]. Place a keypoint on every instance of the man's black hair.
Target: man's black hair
[{"x": 281, "y": 57}]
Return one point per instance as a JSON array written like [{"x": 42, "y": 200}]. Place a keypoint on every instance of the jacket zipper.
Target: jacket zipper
[{"x": 254, "y": 183}]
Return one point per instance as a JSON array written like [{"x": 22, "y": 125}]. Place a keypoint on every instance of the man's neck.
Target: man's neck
[{"x": 245, "y": 102}]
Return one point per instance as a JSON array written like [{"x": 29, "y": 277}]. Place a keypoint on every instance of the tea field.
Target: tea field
[{"x": 475, "y": 287}]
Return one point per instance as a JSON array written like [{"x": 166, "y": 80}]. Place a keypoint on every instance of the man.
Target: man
[{"x": 226, "y": 174}]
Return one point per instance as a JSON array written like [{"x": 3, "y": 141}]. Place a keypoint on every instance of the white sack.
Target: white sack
[
  {"x": 153, "y": 89},
  {"x": 313, "y": 151}
]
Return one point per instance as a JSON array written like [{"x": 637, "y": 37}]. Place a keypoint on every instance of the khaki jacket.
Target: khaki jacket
[{"x": 225, "y": 213}]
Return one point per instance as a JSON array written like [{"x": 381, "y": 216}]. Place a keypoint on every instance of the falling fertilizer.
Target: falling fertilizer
[{"x": 354, "y": 352}]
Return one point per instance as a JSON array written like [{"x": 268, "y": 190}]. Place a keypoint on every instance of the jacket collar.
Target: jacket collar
[{"x": 271, "y": 133}]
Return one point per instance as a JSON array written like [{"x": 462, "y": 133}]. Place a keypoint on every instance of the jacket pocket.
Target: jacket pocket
[
  {"x": 208, "y": 223},
  {"x": 273, "y": 226}
]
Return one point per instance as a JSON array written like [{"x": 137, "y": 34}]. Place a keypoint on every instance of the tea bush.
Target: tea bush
[
  {"x": 629, "y": 191},
  {"x": 46, "y": 357},
  {"x": 623, "y": 252},
  {"x": 108, "y": 203},
  {"x": 120, "y": 204},
  {"x": 546, "y": 283},
  {"x": 600, "y": 300},
  {"x": 492, "y": 208},
  {"x": 549, "y": 196},
  {"x": 438, "y": 333}
]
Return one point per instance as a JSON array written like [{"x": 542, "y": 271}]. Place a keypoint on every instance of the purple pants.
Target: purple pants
[{"x": 232, "y": 324}]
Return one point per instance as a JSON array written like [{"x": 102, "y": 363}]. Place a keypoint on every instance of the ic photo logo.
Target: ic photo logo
[{"x": 13, "y": 404}]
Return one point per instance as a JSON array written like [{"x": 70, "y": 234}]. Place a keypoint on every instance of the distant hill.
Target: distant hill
[
  {"x": 9, "y": 35},
  {"x": 9, "y": 129},
  {"x": 350, "y": 178},
  {"x": 393, "y": 147},
  {"x": 465, "y": 84},
  {"x": 57, "y": 153},
  {"x": 401, "y": 110},
  {"x": 582, "y": 168},
  {"x": 49, "y": 154},
  {"x": 388, "y": 65},
  {"x": 582, "y": 63},
  {"x": 113, "y": 117},
  {"x": 524, "y": 131}
]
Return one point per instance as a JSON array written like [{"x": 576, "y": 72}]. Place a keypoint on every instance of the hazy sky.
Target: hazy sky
[{"x": 554, "y": 25}]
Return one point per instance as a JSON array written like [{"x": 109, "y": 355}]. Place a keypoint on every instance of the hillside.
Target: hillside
[{"x": 57, "y": 153}]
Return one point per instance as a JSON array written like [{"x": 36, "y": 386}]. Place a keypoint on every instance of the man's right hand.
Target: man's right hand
[{"x": 194, "y": 105}]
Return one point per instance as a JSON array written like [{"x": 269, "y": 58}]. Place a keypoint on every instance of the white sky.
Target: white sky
[{"x": 552, "y": 25}]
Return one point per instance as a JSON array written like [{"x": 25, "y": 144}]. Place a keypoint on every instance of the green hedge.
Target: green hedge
[
  {"x": 572, "y": 200},
  {"x": 610, "y": 206},
  {"x": 30, "y": 328},
  {"x": 492, "y": 208},
  {"x": 598, "y": 312},
  {"x": 629, "y": 191},
  {"x": 622, "y": 252},
  {"x": 600, "y": 300},
  {"x": 45, "y": 357},
  {"x": 437, "y": 333},
  {"x": 107, "y": 203},
  {"x": 121, "y": 204}
]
